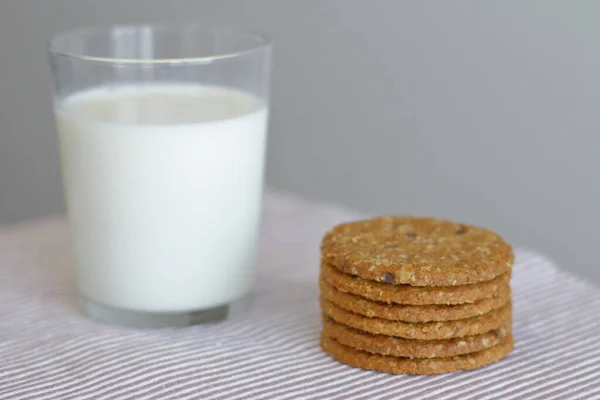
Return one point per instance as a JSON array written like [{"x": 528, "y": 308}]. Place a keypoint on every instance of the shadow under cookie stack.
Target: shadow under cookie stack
[{"x": 411, "y": 295}]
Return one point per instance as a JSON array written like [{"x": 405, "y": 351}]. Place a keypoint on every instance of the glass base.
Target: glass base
[{"x": 142, "y": 319}]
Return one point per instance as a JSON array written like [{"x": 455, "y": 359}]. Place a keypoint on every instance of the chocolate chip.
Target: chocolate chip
[
  {"x": 411, "y": 235},
  {"x": 389, "y": 246},
  {"x": 388, "y": 277},
  {"x": 461, "y": 231},
  {"x": 328, "y": 320}
]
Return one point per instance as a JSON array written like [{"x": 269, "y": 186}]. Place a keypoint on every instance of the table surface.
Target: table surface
[{"x": 48, "y": 350}]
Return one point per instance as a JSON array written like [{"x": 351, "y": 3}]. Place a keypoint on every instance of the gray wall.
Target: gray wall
[{"x": 483, "y": 111}]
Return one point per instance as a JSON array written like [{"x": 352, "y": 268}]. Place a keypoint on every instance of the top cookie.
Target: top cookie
[{"x": 417, "y": 251}]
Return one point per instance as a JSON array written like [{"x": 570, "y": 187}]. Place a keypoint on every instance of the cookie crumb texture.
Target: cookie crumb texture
[
  {"x": 423, "y": 366},
  {"x": 422, "y": 331},
  {"x": 399, "y": 347},
  {"x": 415, "y": 295},
  {"x": 411, "y": 313},
  {"x": 417, "y": 251}
]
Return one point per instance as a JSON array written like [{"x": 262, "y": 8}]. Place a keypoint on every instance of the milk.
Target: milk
[{"x": 163, "y": 188}]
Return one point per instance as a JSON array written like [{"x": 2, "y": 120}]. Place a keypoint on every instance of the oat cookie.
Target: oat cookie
[
  {"x": 415, "y": 295},
  {"x": 423, "y": 331},
  {"x": 399, "y": 347},
  {"x": 410, "y": 313},
  {"x": 401, "y": 365},
  {"x": 417, "y": 251}
]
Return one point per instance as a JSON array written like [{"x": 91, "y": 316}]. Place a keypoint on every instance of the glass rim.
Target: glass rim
[{"x": 264, "y": 41}]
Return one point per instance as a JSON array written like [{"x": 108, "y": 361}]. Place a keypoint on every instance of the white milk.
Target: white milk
[{"x": 163, "y": 187}]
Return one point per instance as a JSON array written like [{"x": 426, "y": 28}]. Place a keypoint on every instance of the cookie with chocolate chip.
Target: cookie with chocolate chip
[
  {"x": 412, "y": 313},
  {"x": 417, "y": 251},
  {"x": 415, "y": 295},
  {"x": 403, "y": 365},
  {"x": 399, "y": 347},
  {"x": 422, "y": 331}
]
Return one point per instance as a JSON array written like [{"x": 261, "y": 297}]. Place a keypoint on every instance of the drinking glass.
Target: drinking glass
[{"x": 162, "y": 133}]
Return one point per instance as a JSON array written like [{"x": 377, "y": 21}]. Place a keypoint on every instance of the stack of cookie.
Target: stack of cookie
[{"x": 415, "y": 295}]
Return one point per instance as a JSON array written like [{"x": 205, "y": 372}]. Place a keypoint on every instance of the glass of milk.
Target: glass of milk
[{"x": 162, "y": 133}]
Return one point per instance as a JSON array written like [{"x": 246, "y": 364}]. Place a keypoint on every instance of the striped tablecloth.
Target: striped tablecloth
[{"x": 48, "y": 350}]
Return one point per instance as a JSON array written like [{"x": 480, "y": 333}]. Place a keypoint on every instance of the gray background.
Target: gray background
[{"x": 482, "y": 111}]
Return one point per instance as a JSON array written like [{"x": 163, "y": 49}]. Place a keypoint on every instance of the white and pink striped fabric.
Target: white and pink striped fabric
[{"x": 48, "y": 350}]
